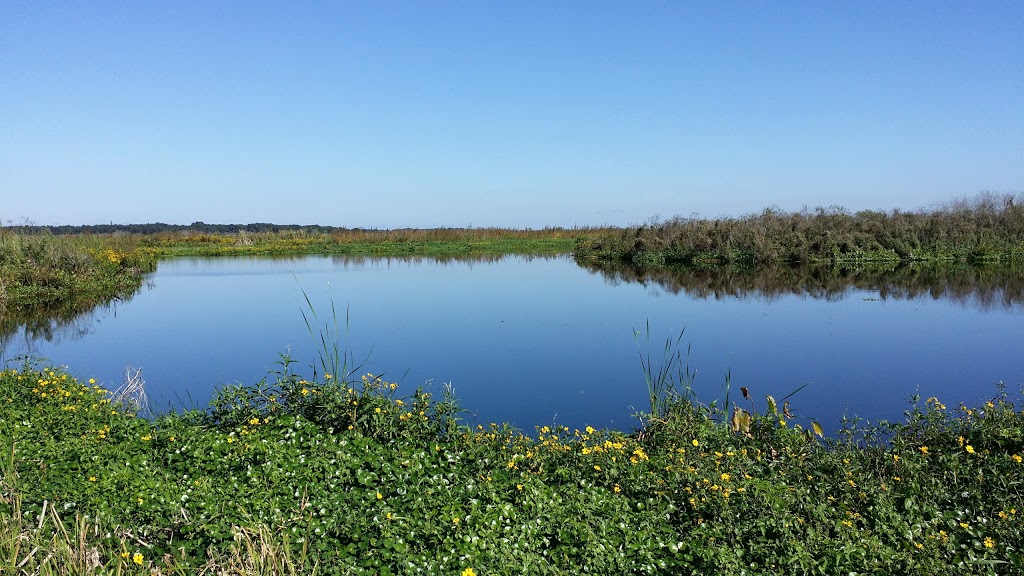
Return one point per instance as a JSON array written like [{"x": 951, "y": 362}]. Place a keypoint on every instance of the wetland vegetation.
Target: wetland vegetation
[
  {"x": 987, "y": 228},
  {"x": 200, "y": 239},
  {"x": 339, "y": 476},
  {"x": 47, "y": 281}
]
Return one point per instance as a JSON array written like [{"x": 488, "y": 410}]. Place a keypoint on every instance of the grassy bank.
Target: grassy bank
[
  {"x": 984, "y": 229},
  {"x": 291, "y": 476},
  {"x": 430, "y": 242},
  {"x": 61, "y": 276}
]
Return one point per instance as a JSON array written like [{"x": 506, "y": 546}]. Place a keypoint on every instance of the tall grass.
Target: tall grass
[{"x": 336, "y": 360}]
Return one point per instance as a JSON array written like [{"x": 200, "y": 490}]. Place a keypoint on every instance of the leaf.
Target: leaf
[
  {"x": 773, "y": 407},
  {"x": 817, "y": 429},
  {"x": 745, "y": 421}
]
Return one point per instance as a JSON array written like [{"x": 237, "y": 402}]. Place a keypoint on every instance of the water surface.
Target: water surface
[{"x": 534, "y": 341}]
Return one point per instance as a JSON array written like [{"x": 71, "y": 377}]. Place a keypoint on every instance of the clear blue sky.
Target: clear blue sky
[{"x": 522, "y": 114}]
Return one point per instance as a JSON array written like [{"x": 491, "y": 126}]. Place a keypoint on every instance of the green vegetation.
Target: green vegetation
[
  {"x": 200, "y": 239},
  {"x": 295, "y": 476},
  {"x": 433, "y": 242},
  {"x": 986, "y": 229},
  {"x": 46, "y": 279}
]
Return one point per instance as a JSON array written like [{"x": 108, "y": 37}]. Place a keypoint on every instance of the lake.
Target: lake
[{"x": 540, "y": 340}]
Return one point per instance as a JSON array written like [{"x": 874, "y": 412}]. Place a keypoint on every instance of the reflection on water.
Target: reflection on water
[
  {"x": 540, "y": 340},
  {"x": 24, "y": 327},
  {"x": 981, "y": 287},
  {"x": 350, "y": 261}
]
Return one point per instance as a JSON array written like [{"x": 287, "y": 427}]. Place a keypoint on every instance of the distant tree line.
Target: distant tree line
[{"x": 160, "y": 227}]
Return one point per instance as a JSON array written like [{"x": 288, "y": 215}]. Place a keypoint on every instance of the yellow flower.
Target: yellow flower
[
  {"x": 617, "y": 489},
  {"x": 379, "y": 496},
  {"x": 590, "y": 430},
  {"x": 970, "y": 449},
  {"x": 923, "y": 449},
  {"x": 93, "y": 479},
  {"x": 1017, "y": 458},
  {"x": 598, "y": 468},
  {"x": 137, "y": 558},
  {"x": 989, "y": 542},
  {"x": 469, "y": 572},
  {"x": 304, "y": 391},
  {"x": 725, "y": 477},
  {"x": 695, "y": 442}
]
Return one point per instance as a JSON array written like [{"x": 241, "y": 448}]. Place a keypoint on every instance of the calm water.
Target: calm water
[{"x": 531, "y": 341}]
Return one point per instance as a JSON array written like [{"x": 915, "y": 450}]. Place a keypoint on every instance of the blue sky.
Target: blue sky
[{"x": 519, "y": 114}]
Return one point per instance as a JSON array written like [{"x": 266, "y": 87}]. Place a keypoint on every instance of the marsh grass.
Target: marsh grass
[
  {"x": 403, "y": 242},
  {"x": 986, "y": 228},
  {"x": 669, "y": 381},
  {"x": 47, "y": 280},
  {"x": 336, "y": 360}
]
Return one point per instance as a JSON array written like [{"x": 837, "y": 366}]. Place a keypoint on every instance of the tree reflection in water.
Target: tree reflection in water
[{"x": 985, "y": 287}]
